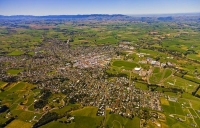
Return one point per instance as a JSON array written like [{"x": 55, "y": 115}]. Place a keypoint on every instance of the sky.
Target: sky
[{"x": 71, "y": 7}]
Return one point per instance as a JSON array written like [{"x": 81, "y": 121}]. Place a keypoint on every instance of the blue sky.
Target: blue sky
[{"x": 65, "y": 7}]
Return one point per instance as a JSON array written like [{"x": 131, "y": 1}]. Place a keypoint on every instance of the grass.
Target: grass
[
  {"x": 56, "y": 124},
  {"x": 3, "y": 119},
  {"x": 87, "y": 111},
  {"x": 164, "y": 101},
  {"x": 12, "y": 97},
  {"x": 177, "y": 106},
  {"x": 117, "y": 120},
  {"x": 2, "y": 83},
  {"x": 134, "y": 122},
  {"x": 170, "y": 121},
  {"x": 156, "y": 78},
  {"x": 66, "y": 108},
  {"x": 167, "y": 72},
  {"x": 159, "y": 75},
  {"x": 87, "y": 122},
  {"x": 179, "y": 125},
  {"x": 14, "y": 92},
  {"x": 31, "y": 53},
  {"x": 27, "y": 116},
  {"x": 19, "y": 124},
  {"x": 14, "y": 71},
  {"x": 192, "y": 112},
  {"x": 190, "y": 120},
  {"x": 16, "y": 53},
  {"x": 86, "y": 117},
  {"x": 173, "y": 108},
  {"x": 18, "y": 87},
  {"x": 181, "y": 83},
  {"x": 141, "y": 86},
  {"x": 193, "y": 56},
  {"x": 125, "y": 64},
  {"x": 109, "y": 40},
  {"x": 30, "y": 100},
  {"x": 184, "y": 101},
  {"x": 31, "y": 108},
  {"x": 152, "y": 53},
  {"x": 173, "y": 123},
  {"x": 156, "y": 70},
  {"x": 115, "y": 117},
  {"x": 192, "y": 78},
  {"x": 197, "y": 121},
  {"x": 18, "y": 42},
  {"x": 198, "y": 92}
]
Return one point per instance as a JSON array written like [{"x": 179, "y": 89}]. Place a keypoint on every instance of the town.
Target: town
[{"x": 102, "y": 71}]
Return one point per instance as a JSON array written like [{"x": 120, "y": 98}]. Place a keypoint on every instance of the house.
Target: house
[
  {"x": 153, "y": 62},
  {"x": 137, "y": 69}
]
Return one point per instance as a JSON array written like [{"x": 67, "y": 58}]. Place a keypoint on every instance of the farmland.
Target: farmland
[
  {"x": 125, "y": 65},
  {"x": 105, "y": 71},
  {"x": 182, "y": 111}
]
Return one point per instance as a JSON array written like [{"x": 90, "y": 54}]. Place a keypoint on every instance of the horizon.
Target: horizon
[
  {"x": 150, "y": 14},
  {"x": 87, "y": 7}
]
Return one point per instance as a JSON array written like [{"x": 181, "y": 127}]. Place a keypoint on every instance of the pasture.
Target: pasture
[
  {"x": 2, "y": 84},
  {"x": 164, "y": 101},
  {"x": 125, "y": 64},
  {"x": 173, "y": 42},
  {"x": 159, "y": 75},
  {"x": 56, "y": 124},
  {"x": 16, "y": 53},
  {"x": 18, "y": 124},
  {"x": 177, "y": 82},
  {"x": 171, "y": 107},
  {"x": 87, "y": 114},
  {"x": 141, "y": 86},
  {"x": 114, "y": 120},
  {"x": 66, "y": 108},
  {"x": 14, "y": 71}
]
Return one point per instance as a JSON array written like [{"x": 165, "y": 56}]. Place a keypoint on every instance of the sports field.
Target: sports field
[{"x": 125, "y": 64}]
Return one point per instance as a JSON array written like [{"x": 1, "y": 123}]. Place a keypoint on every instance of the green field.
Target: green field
[
  {"x": 167, "y": 73},
  {"x": 2, "y": 83},
  {"x": 114, "y": 120},
  {"x": 198, "y": 92},
  {"x": 66, "y": 108},
  {"x": 159, "y": 75},
  {"x": 178, "y": 82},
  {"x": 57, "y": 124},
  {"x": 19, "y": 124},
  {"x": 87, "y": 114},
  {"x": 164, "y": 101},
  {"x": 156, "y": 70},
  {"x": 141, "y": 86},
  {"x": 16, "y": 53},
  {"x": 156, "y": 78},
  {"x": 173, "y": 108},
  {"x": 27, "y": 116},
  {"x": 87, "y": 111},
  {"x": 181, "y": 112},
  {"x": 125, "y": 64},
  {"x": 84, "y": 118},
  {"x": 175, "y": 41},
  {"x": 14, "y": 71}
]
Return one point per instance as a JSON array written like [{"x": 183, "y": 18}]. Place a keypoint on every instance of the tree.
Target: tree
[
  {"x": 3, "y": 108},
  {"x": 40, "y": 104},
  {"x": 50, "y": 116}
]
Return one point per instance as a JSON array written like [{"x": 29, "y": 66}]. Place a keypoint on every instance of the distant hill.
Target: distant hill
[
  {"x": 142, "y": 18},
  {"x": 165, "y": 18},
  {"x": 65, "y": 16}
]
